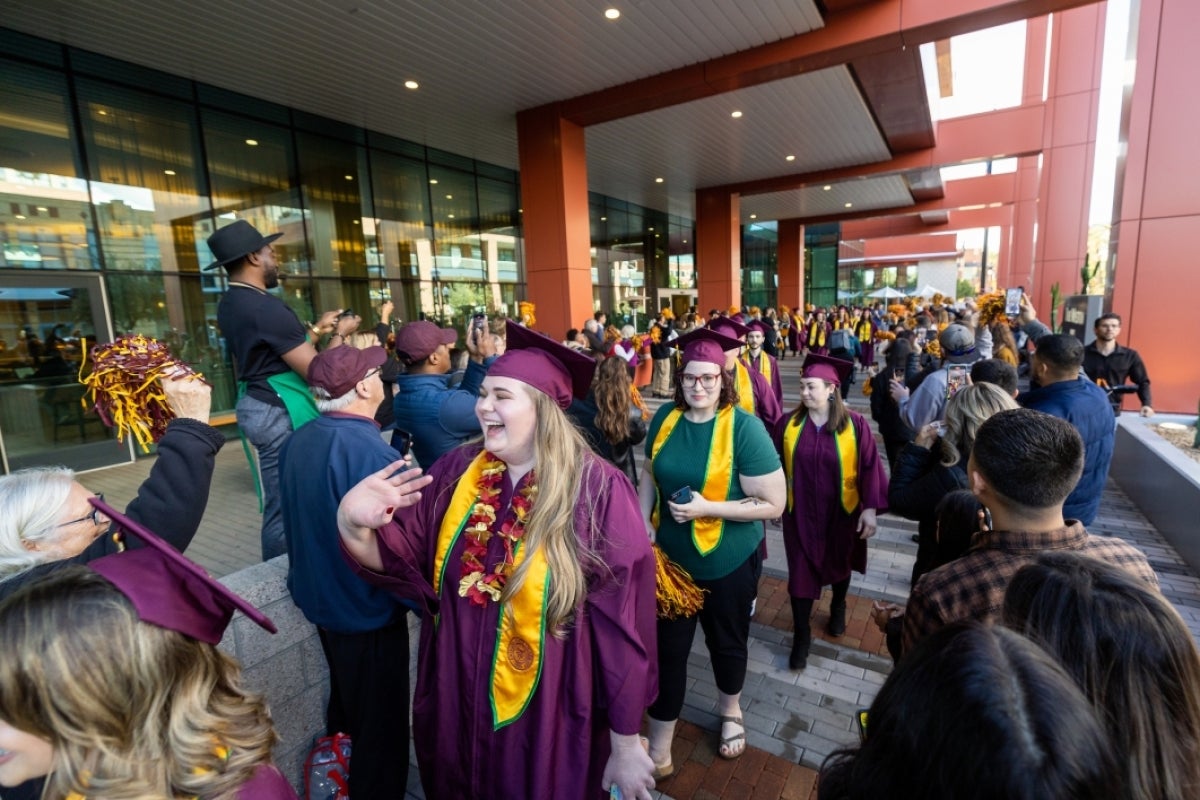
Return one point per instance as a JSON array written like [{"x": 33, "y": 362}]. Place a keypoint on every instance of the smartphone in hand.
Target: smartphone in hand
[
  {"x": 1012, "y": 300},
  {"x": 682, "y": 497}
]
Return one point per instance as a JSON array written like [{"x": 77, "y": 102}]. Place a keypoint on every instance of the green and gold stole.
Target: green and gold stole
[
  {"x": 847, "y": 451},
  {"x": 520, "y": 640},
  {"x": 718, "y": 474}
]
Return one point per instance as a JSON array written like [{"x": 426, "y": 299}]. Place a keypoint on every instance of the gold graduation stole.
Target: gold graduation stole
[
  {"x": 847, "y": 450},
  {"x": 745, "y": 387},
  {"x": 718, "y": 474},
  {"x": 517, "y": 659},
  {"x": 816, "y": 334},
  {"x": 764, "y": 366},
  {"x": 864, "y": 331}
]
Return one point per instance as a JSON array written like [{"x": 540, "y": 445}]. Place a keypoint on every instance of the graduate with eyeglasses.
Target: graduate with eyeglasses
[{"x": 711, "y": 479}]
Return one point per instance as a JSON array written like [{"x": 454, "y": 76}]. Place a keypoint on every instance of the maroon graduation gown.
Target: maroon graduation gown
[
  {"x": 766, "y": 406},
  {"x": 819, "y": 537},
  {"x": 776, "y": 381},
  {"x": 601, "y": 674}
]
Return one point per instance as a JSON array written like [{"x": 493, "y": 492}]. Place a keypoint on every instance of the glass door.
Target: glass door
[{"x": 48, "y": 322}]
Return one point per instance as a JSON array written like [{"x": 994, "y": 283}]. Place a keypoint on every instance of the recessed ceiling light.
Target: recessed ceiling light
[
  {"x": 849, "y": 205},
  {"x": 790, "y": 158},
  {"x": 20, "y": 216},
  {"x": 736, "y": 115},
  {"x": 604, "y": 219},
  {"x": 449, "y": 216},
  {"x": 827, "y": 187},
  {"x": 349, "y": 177},
  {"x": 651, "y": 228},
  {"x": 355, "y": 222},
  {"x": 685, "y": 241},
  {"x": 433, "y": 181},
  {"x": 449, "y": 197},
  {"x": 168, "y": 172},
  {"x": 658, "y": 180},
  {"x": 411, "y": 85},
  {"x": 754, "y": 216},
  {"x": 42, "y": 208},
  {"x": 102, "y": 113},
  {"x": 252, "y": 142},
  {"x": 612, "y": 13}
]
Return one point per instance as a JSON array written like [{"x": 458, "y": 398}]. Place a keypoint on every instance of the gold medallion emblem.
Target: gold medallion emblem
[{"x": 520, "y": 654}]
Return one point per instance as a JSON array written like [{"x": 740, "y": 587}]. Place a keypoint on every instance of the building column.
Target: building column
[
  {"x": 1069, "y": 150},
  {"x": 791, "y": 263},
  {"x": 555, "y": 223},
  {"x": 718, "y": 249},
  {"x": 1152, "y": 273}
]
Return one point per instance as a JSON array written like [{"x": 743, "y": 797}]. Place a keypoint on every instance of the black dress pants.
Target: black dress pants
[{"x": 368, "y": 699}]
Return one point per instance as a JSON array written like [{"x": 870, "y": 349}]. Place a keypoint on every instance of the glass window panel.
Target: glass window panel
[
  {"x": 459, "y": 264},
  {"x": 250, "y": 165},
  {"x": 500, "y": 234},
  {"x": 399, "y": 239},
  {"x": 44, "y": 213},
  {"x": 332, "y": 175},
  {"x": 147, "y": 180}
]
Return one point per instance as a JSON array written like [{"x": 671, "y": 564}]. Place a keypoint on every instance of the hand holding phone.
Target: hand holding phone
[
  {"x": 1012, "y": 301},
  {"x": 682, "y": 497}
]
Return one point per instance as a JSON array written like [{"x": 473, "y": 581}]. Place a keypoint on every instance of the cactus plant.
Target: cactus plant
[
  {"x": 1056, "y": 302},
  {"x": 1088, "y": 272}
]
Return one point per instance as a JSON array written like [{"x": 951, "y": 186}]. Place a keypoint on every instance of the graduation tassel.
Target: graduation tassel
[{"x": 678, "y": 595}]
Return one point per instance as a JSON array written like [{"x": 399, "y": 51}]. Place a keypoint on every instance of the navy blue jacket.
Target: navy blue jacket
[
  {"x": 1084, "y": 405},
  {"x": 318, "y": 464},
  {"x": 438, "y": 416}
]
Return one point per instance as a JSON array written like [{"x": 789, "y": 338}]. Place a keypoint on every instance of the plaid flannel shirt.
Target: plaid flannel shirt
[{"x": 972, "y": 587}]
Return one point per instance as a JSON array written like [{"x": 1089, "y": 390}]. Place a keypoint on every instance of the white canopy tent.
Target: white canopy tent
[{"x": 887, "y": 293}]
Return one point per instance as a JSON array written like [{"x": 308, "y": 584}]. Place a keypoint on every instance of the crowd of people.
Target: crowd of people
[{"x": 500, "y": 500}]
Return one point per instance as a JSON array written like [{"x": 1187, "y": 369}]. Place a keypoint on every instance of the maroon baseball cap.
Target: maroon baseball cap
[
  {"x": 337, "y": 370},
  {"x": 543, "y": 363},
  {"x": 417, "y": 341},
  {"x": 168, "y": 589},
  {"x": 833, "y": 370}
]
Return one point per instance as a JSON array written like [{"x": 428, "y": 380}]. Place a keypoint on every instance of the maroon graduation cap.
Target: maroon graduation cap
[
  {"x": 551, "y": 368},
  {"x": 827, "y": 368},
  {"x": 168, "y": 589},
  {"x": 706, "y": 345}
]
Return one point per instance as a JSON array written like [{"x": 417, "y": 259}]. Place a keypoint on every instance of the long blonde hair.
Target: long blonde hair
[
  {"x": 132, "y": 710},
  {"x": 551, "y": 526},
  {"x": 965, "y": 412}
]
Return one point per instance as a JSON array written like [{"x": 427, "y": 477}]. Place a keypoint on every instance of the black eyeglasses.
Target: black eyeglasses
[
  {"x": 93, "y": 517},
  {"x": 375, "y": 371}
]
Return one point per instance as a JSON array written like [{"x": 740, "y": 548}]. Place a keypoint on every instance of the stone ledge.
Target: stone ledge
[{"x": 1163, "y": 482}]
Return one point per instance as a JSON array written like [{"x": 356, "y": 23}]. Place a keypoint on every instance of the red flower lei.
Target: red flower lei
[{"x": 477, "y": 583}]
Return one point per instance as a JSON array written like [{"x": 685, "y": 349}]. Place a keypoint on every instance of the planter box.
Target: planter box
[{"x": 1162, "y": 481}]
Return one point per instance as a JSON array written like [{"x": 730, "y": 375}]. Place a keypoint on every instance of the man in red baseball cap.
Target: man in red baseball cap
[{"x": 363, "y": 630}]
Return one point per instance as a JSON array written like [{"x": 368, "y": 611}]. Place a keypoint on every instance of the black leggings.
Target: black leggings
[{"x": 725, "y": 619}]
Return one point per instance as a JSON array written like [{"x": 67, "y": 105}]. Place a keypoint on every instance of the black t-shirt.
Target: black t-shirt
[{"x": 259, "y": 328}]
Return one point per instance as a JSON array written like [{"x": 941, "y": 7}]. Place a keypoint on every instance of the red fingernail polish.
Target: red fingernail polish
[{"x": 389, "y": 510}]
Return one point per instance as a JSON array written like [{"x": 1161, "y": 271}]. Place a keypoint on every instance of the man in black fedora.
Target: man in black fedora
[{"x": 271, "y": 352}]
